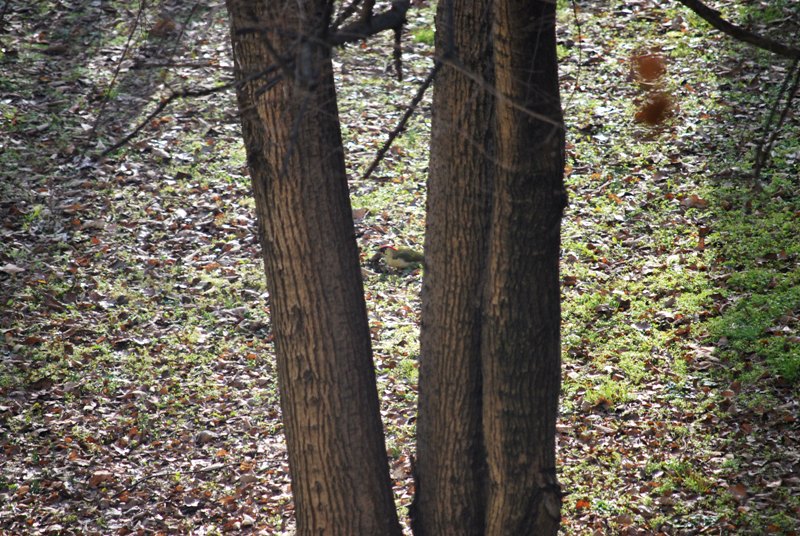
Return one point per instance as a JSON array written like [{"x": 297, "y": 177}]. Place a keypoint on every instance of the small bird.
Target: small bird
[{"x": 401, "y": 258}]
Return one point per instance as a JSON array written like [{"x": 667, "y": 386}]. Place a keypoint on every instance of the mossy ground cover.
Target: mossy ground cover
[{"x": 137, "y": 378}]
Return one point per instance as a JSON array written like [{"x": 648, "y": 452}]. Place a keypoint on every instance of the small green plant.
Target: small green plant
[
  {"x": 633, "y": 365},
  {"x": 425, "y": 36},
  {"x": 609, "y": 393},
  {"x": 33, "y": 216},
  {"x": 757, "y": 326},
  {"x": 680, "y": 474}
]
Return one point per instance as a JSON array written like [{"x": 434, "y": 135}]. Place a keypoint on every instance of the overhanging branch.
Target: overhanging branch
[
  {"x": 713, "y": 17},
  {"x": 344, "y": 14},
  {"x": 365, "y": 26},
  {"x": 394, "y": 18}
]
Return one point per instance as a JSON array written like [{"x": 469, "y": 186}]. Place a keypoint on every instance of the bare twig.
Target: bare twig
[
  {"x": 390, "y": 19},
  {"x": 345, "y": 14},
  {"x": 177, "y": 64},
  {"x": 167, "y": 472},
  {"x": 713, "y": 17},
  {"x": 580, "y": 54},
  {"x": 269, "y": 84},
  {"x": 501, "y": 97},
  {"x": 397, "y": 52},
  {"x": 285, "y": 65},
  {"x": 183, "y": 28},
  {"x": 770, "y": 134},
  {"x": 113, "y": 81},
  {"x": 183, "y": 94},
  {"x": 401, "y": 125}
]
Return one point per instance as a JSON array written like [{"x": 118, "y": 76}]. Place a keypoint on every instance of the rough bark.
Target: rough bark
[
  {"x": 334, "y": 436},
  {"x": 490, "y": 363},
  {"x": 521, "y": 329},
  {"x": 451, "y": 458}
]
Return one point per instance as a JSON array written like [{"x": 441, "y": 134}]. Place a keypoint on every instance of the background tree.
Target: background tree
[{"x": 521, "y": 330}]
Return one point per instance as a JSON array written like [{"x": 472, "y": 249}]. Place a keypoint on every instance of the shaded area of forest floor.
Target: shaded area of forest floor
[{"x": 137, "y": 382}]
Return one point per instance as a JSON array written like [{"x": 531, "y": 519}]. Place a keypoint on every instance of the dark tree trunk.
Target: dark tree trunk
[
  {"x": 490, "y": 363},
  {"x": 451, "y": 461},
  {"x": 521, "y": 330},
  {"x": 340, "y": 478}
]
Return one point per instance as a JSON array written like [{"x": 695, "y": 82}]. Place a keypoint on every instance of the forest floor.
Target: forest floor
[{"x": 137, "y": 377}]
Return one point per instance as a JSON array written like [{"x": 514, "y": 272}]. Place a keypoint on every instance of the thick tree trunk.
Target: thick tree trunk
[
  {"x": 334, "y": 436},
  {"x": 451, "y": 464},
  {"x": 521, "y": 330},
  {"x": 490, "y": 363}
]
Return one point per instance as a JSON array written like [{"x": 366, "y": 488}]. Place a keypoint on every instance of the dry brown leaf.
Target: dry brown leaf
[{"x": 100, "y": 477}]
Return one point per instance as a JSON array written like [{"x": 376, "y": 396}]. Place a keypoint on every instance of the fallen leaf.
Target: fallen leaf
[
  {"x": 100, "y": 477},
  {"x": 739, "y": 491},
  {"x": 694, "y": 201},
  {"x": 11, "y": 269}
]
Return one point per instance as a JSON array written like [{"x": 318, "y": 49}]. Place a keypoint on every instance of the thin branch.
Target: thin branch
[
  {"x": 158, "y": 474},
  {"x": 578, "y": 41},
  {"x": 183, "y": 29},
  {"x": 117, "y": 69},
  {"x": 179, "y": 64},
  {"x": 345, "y": 14},
  {"x": 285, "y": 65},
  {"x": 269, "y": 84},
  {"x": 397, "y": 52},
  {"x": 391, "y": 19},
  {"x": 183, "y": 94},
  {"x": 501, "y": 97},
  {"x": 770, "y": 135},
  {"x": 760, "y": 158},
  {"x": 403, "y": 120},
  {"x": 713, "y": 17},
  {"x": 169, "y": 472}
]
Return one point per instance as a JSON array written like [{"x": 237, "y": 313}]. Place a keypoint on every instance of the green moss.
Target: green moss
[{"x": 425, "y": 36}]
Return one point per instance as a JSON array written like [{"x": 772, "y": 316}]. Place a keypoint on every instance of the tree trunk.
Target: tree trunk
[
  {"x": 521, "y": 330},
  {"x": 451, "y": 462},
  {"x": 334, "y": 436},
  {"x": 490, "y": 363}
]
